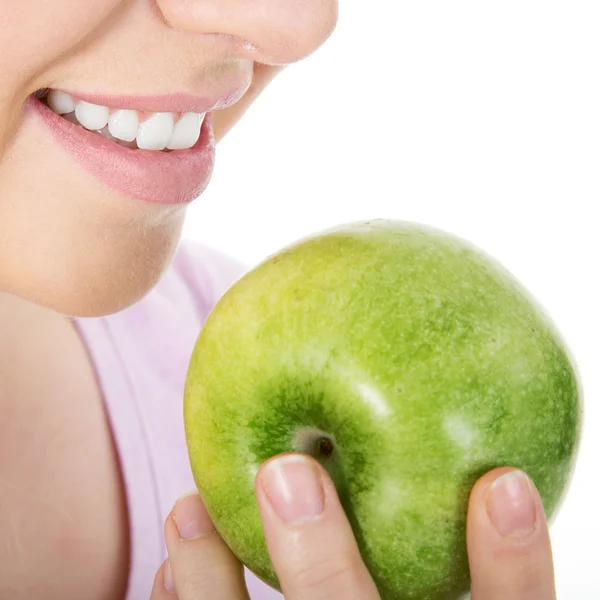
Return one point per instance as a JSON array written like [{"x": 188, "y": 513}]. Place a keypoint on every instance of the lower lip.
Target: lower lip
[{"x": 175, "y": 177}]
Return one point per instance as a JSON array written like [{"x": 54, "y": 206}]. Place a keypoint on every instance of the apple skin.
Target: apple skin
[{"x": 421, "y": 358}]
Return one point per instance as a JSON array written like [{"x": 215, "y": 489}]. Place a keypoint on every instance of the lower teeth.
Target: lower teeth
[{"x": 109, "y": 136}]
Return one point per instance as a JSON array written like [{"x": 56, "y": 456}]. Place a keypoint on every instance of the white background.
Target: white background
[{"x": 479, "y": 118}]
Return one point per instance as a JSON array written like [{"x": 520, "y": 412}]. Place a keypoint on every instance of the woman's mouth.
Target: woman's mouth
[
  {"x": 159, "y": 149},
  {"x": 129, "y": 128}
]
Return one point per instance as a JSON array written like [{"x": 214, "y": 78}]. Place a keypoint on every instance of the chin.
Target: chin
[
  {"x": 78, "y": 248},
  {"x": 96, "y": 281},
  {"x": 84, "y": 264},
  {"x": 85, "y": 287}
]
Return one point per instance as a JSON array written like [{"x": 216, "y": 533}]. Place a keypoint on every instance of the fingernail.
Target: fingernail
[
  {"x": 168, "y": 582},
  {"x": 294, "y": 488},
  {"x": 511, "y": 505},
  {"x": 190, "y": 516}
]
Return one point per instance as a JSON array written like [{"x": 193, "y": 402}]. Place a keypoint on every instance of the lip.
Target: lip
[
  {"x": 179, "y": 103},
  {"x": 175, "y": 177}
]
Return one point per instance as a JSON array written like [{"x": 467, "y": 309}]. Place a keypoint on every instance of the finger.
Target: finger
[
  {"x": 200, "y": 565},
  {"x": 163, "y": 588},
  {"x": 300, "y": 510},
  {"x": 510, "y": 555}
]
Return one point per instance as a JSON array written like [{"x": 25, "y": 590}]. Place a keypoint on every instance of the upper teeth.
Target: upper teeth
[{"x": 151, "y": 131}]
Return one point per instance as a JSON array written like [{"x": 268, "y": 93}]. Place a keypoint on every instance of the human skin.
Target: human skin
[
  {"x": 71, "y": 246},
  {"x": 66, "y": 240}
]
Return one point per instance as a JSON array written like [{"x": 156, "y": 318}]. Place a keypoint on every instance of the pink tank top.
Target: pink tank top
[{"x": 141, "y": 357}]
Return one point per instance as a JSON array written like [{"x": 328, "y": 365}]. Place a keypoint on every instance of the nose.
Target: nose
[{"x": 275, "y": 32}]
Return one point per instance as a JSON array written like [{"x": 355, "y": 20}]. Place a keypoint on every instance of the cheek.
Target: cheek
[
  {"x": 34, "y": 34},
  {"x": 71, "y": 244}
]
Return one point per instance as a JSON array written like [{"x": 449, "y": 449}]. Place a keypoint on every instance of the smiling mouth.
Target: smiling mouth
[{"x": 133, "y": 129}]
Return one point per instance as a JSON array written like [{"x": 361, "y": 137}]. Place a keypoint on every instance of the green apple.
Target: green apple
[{"x": 407, "y": 362}]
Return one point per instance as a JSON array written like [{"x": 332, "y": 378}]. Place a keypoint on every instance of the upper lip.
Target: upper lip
[{"x": 174, "y": 102}]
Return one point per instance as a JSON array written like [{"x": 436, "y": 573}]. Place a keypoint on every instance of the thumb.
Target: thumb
[{"x": 308, "y": 536}]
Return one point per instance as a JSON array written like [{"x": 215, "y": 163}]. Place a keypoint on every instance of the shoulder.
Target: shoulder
[{"x": 57, "y": 465}]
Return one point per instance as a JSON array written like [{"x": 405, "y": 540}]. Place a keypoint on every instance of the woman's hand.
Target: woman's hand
[{"x": 507, "y": 535}]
